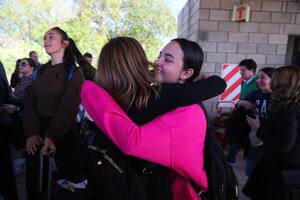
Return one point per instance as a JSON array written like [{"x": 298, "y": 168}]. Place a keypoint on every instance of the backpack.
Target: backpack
[
  {"x": 222, "y": 182},
  {"x": 108, "y": 171}
]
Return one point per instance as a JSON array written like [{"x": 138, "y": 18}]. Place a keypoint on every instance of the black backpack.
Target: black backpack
[
  {"x": 222, "y": 182},
  {"x": 108, "y": 171}
]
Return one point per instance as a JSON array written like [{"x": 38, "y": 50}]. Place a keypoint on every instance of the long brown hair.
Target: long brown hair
[
  {"x": 123, "y": 70},
  {"x": 285, "y": 85}
]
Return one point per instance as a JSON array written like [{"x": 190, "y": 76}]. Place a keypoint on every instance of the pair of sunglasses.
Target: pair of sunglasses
[{"x": 23, "y": 64}]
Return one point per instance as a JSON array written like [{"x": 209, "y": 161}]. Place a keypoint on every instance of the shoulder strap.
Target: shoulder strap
[
  {"x": 198, "y": 191},
  {"x": 222, "y": 181},
  {"x": 35, "y": 73},
  {"x": 71, "y": 72}
]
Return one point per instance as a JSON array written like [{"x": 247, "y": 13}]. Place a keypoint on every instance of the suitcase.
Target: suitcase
[
  {"x": 45, "y": 183},
  {"x": 50, "y": 190}
]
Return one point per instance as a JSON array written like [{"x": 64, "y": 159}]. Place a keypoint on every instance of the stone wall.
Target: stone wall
[{"x": 263, "y": 39}]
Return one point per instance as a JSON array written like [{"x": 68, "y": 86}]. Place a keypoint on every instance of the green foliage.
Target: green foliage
[{"x": 89, "y": 22}]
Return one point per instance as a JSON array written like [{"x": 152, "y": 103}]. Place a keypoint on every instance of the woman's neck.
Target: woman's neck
[{"x": 57, "y": 58}]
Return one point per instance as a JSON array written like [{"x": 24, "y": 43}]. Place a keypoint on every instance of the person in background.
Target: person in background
[
  {"x": 8, "y": 188},
  {"x": 281, "y": 137},
  {"x": 26, "y": 67},
  {"x": 88, "y": 70},
  {"x": 16, "y": 102},
  {"x": 35, "y": 57},
  {"x": 89, "y": 57},
  {"x": 16, "y": 76},
  {"x": 51, "y": 106},
  {"x": 247, "y": 71},
  {"x": 257, "y": 102}
]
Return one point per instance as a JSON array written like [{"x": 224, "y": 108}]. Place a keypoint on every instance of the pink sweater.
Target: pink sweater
[{"x": 174, "y": 140}]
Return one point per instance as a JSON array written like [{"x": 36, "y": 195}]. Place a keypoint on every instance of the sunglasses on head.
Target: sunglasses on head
[{"x": 23, "y": 64}]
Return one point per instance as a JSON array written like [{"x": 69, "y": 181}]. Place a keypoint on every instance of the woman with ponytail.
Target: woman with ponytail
[{"x": 51, "y": 105}]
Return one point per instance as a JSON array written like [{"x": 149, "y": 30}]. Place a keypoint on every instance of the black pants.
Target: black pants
[
  {"x": 8, "y": 187},
  {"x": 66, "y": 158}
]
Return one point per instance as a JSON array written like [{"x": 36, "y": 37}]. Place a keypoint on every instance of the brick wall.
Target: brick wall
[{"x": 264, "y": 38}]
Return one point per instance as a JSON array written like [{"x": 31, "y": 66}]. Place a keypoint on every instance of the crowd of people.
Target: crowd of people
[{"x": 148, "y": 115}]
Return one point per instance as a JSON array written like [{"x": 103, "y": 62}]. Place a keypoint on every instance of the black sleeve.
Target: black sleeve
[
  {"x": 194, "y": 92},
  {"x": 280, "y": 130},
  {"x": 4, "y": 88},
  {"x": 202, "y": 90},
  {"x": 31, "y": 122},
  {"x": 173, "y": 95}
]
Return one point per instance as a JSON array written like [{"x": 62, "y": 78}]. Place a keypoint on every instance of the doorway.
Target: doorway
[{"x": 293, "y": 50}]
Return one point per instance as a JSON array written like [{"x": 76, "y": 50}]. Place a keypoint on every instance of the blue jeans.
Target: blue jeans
[
  {"x": 254, "y": 154},
  {"x": 233, "y": 150}
]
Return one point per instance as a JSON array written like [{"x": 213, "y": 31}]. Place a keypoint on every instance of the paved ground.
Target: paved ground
[{"x": 239, "y": 170}]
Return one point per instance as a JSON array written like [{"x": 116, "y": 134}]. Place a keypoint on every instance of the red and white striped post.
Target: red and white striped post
[{"x": 231, "y": 74}]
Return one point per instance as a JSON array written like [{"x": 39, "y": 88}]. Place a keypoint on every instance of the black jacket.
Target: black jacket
[
  {"x": 281, "y": 134},
  {"x": 4, "y": 95}
]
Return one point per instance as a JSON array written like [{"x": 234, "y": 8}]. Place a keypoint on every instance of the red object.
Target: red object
[{"x": 219, "y": 122}]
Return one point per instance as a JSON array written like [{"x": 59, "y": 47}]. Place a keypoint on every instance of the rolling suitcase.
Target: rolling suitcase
[
  {"x": 45, "y": 176},
  {"x": 50, "y": 189}
]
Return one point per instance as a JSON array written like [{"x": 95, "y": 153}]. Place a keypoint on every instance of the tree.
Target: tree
[
  {"x": 89, "y": 22},
  {"x": 149, "y": 21}
]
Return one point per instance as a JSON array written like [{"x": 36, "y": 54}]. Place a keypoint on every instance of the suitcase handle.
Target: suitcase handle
[
  {"x": 41, "y": 173},
  {"x": 229, "y": 104}
]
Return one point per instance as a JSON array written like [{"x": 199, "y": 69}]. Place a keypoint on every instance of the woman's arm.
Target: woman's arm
[
  {"x": 173, "y": 95},
  {"x": 162, "y": 141},
  {"x": 31, "y": 122},
  {"x": 202, "y": 90}
]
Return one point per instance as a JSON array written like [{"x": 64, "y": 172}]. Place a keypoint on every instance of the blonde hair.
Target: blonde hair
[
  {"x": 285, "y": 85},
  {"x": 123, "y": 71}
]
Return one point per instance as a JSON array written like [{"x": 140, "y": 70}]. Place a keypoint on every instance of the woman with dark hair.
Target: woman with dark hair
[
  {"x": 26, "y": 67},
  {"x": 16, "y": 103},
  {"x": 51, "y": 105},
  {"x": 123, "y": 71},
  {"x": 179, "y": 61},
  {"x": 257, "y": 101},
  {"x": 280, "y": 134},
  {"x": 88, "y": 70},
  {"x": 15, "y": 77}
]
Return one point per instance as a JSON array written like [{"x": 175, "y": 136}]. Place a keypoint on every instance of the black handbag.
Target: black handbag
[{"x": 109, "y": 172}]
